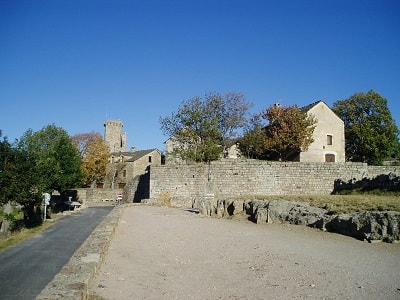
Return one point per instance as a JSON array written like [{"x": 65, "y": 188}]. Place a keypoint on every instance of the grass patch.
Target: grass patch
[
  {"x": 341, "y": 204},
  {"x": 16, "y": 237}
]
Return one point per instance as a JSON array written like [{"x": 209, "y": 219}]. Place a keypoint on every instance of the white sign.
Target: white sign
[{"x": 46, "y": 198}]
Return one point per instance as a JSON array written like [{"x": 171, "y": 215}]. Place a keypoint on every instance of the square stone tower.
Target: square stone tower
[{"x": 114, "y": 137}]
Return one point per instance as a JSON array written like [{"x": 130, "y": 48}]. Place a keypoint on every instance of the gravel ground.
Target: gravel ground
[{"x": 165, "y": 253}]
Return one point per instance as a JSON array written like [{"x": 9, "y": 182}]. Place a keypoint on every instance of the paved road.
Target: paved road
[{"x": 27, "y": 268}]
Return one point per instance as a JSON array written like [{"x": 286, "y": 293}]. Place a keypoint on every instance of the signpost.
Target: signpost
[
  {"x": 46, "y": 201},
  {"x": 119, "y": 197}
]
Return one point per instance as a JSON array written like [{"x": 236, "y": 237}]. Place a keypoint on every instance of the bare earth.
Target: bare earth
[{"x": 165, "y": 253}]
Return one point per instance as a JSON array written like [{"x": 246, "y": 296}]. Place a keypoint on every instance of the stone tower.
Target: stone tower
[{"x": 114, "y": 137}]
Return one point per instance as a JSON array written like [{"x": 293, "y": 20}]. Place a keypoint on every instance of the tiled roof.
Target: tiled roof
[{"x": 308, "y": 107}]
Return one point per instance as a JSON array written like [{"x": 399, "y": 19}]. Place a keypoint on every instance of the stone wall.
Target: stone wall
[
  {"x": 183, "y": 184},
  {"x": 93, "y": 196}
]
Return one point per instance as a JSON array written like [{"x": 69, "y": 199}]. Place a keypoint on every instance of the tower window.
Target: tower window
[{"x": 149, "y": 159}]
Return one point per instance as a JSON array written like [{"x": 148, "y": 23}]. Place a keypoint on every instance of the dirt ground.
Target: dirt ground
[{"x": 165, "y": 253}]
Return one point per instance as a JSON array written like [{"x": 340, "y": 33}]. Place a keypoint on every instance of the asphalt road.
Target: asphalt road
[{"x": 26, "y": 269}]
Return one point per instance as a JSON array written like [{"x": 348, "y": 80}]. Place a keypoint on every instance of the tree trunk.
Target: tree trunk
[{"x": 5, "y": 225}]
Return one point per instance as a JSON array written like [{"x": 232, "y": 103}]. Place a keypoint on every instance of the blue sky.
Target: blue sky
[{"x": 77, "y": 63}]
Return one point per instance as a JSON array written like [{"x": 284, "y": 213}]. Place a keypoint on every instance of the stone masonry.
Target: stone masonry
[
  {"x": 182, "y": 184},
  {"x": 114, "y": 137}
]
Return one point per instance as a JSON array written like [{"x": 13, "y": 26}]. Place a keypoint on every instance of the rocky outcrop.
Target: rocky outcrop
[{"x": 367, "y": 225}]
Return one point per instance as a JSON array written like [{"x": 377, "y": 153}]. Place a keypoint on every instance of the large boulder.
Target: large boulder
[
  {"x": 368, "y": 226},
  {"x": 299, "y": 213}
]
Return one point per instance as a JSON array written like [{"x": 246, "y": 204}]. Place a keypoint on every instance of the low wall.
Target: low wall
[
  {"x": 93, "y": 196},
  {"x": 183, "y": 184}
]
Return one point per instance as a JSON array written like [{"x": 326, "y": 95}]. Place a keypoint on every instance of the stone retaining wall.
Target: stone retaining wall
[
  {"x": 93, "y": 196},
  {"x": 182, "y": 184}
]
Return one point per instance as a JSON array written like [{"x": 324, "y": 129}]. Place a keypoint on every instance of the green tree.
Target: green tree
[
  {"x": 202, "y": 128},
  {"x": 252, "y": 143},
  {"x": 370, "y": 131},
  {"x": 18, "y": 180},
  {"x": 56, "y": 156},
  {"x": 8, "y": 172},
  {"x": 94, "y": 153},
  {"x": 16, "y": 173}
]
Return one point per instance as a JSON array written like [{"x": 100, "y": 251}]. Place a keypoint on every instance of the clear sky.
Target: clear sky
[{"x": 77, "y": 63}]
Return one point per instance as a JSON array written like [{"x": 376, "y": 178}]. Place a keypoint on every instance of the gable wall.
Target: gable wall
[
  {"x": 141, "y": 164},
  {"x": 327, "y": 123}
]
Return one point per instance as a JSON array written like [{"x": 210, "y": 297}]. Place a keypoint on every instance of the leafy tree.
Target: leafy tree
[
  {"x": 94, "y": 153},
  {"x": 8, "y": 174},
  {"x": 16, "y": 173},
  {"x": 202, "y": 128},
  {"x": 288, "y": 132},
  {"x": 18, "y": 180},
  {"x": 371, "y": 133},
  {"x": 252, "y": 143},
  {"x": 56, "y": 156}
]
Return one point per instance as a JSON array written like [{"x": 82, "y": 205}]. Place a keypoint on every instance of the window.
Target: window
[
  {"x": 124, "y": 173},
  {"x": 149, "y": 159},
  {"x": 329, "y": 157},
  {"x": 329, "y": 139}
]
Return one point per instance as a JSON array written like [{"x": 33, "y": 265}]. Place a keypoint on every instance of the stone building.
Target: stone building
[
  {"x": 127, "y": 170},
  {"x": 329, "y": 143},
  {"x": 125, "y": 167},
  {"x": 114, "y": 137}
]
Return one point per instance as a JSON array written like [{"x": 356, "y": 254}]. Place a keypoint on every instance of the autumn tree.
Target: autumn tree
[
  {"x": 202, "y": 127},
  {"x": 94, "y": 153},
  {"x": 370, "y": 131},
  {"x": 287, "y": 132}
]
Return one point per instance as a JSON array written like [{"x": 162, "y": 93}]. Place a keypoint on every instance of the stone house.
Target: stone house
[
  {"x": 125, "y": 167},
  {"x": 329, "y": 138}
]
